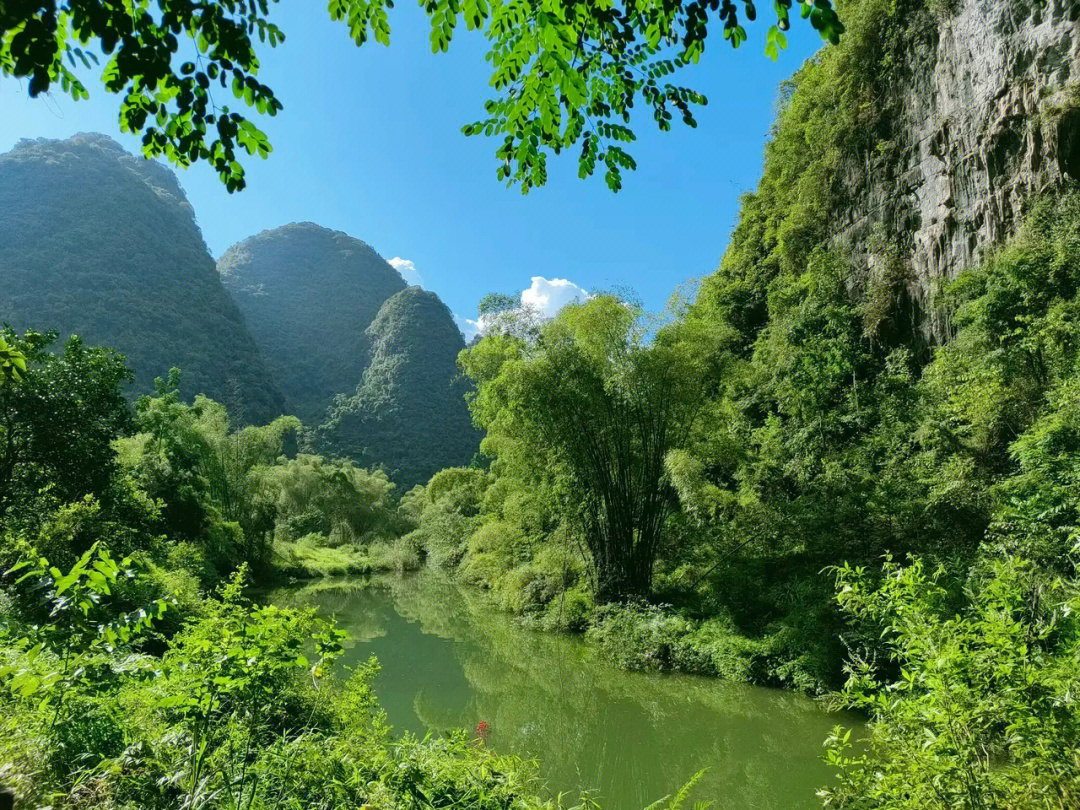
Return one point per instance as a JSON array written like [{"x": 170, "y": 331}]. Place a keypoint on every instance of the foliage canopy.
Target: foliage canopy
[
  {"x": 568, "y": 72},
  {"x": 601, "y": 410}
]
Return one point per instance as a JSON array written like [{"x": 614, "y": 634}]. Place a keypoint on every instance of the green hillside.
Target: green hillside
[
  {"x": 100, "y": 243},
  {"x": 308, "y": 295},
  {"x": 408, "y": 413}
]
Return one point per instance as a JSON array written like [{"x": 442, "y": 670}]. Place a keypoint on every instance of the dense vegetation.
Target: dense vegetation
[
  {"x": 133, "y": 672},
  {"x": 103, "y": 244},
  {"x": 812, "y": 421},
  {"x": 308, "y": 295},
  {"x": 819, "y": 451},
  {"x": 806, "y": 476},
  {"x": 408, "y": 412},
  {"x": 79, "y": 462},
  {"x": 863, "y": 491}
]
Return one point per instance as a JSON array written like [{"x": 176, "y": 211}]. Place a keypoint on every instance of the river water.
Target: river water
[{"x": 449, "y": 661}]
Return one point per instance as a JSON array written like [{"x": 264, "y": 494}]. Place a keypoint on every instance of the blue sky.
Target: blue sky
[{"x": 369, "y": 143}]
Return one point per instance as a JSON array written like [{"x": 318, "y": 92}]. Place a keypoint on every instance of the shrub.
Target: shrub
[
  {"x": 570, "y": 611},
  {"x": 398, "y": 557},
  {"x": 639, "y": 636},
  {"x": 242, "y": 710},
  {"x": 314, "y": 556},
  {"x": 972, "y": 707}
]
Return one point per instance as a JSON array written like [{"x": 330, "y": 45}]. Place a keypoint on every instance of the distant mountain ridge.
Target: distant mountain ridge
[
  {"x": 355, "y": 349},
  {"x": 104, "y": 244},
  {"x": 308, "y": 294},
  {"x": 101, "y": 243}
]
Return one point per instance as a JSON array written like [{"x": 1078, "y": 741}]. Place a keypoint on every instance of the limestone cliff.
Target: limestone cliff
[
  {"x": 989, "y": 117},
  {"x": 906, "y": 152}
]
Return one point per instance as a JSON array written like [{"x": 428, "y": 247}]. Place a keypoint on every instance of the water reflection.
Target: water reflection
[{"x": 449, "y": 661}]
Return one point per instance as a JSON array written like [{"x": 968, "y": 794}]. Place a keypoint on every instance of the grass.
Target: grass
[{"x": 313, "y": 556}]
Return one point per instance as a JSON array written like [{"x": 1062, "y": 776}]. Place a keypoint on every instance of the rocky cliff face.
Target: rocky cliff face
[{"x": 990, "y": 118}]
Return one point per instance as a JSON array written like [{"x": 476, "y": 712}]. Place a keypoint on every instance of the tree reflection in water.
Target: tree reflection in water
[{"x": 450, "y": 661}]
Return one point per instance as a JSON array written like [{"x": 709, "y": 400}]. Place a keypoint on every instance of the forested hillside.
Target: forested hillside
[
  {"x": 103, "y": 244},
  {"x": 111, "y": 252},
  {"x": 352, "y": 346},
  {"x": 308, "y": 295},
  {"x": 847, "y": 464},
  {"x": 408, "y": 413},
  {"x": 846, "y": 390}
]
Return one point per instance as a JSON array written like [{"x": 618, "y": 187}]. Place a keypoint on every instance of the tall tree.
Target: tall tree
[
  {"x": 201, "y": 470},
  {"x": 601, "y": 407},
  {"x": 58, "y": 420},
  {"x": 567, "y": 72}
]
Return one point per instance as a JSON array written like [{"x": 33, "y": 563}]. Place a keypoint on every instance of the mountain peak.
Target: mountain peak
[
  {"x": 101, "y": 243},
  {"x": 308, "y": 294}
]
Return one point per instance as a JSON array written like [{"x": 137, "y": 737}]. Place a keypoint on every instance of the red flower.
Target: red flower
[{"x": 482, "y": 730}]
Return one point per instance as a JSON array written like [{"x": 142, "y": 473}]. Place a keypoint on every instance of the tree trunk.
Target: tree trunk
[{"x": 623, "y": 577}]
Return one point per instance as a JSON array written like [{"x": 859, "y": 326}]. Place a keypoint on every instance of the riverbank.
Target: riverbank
[
  {"x": 450, "y": 659},
  {"x": 312, "y": 557},
  {"x": 633, "y": 636}
]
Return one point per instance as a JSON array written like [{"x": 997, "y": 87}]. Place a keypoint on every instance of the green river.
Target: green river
[{"x": 449, "y": 660}]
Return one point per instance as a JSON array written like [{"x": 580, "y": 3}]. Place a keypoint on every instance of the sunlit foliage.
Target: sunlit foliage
[{"x": 568, "y": 72}]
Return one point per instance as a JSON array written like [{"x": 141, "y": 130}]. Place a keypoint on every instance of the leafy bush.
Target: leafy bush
[
  {"x": 970, "y": 708},
  {"x": 571, "y": 610},
  {"x": 399, "y": 556},
  {"x": 241, "y": 710},
  {"x": 59, "y": 418},
  {"x": 641, "y": 636},
  {"x": 314, "y": 556}
]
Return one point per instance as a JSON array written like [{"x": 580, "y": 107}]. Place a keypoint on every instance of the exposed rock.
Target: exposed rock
[{"x": 991, "y": 117}]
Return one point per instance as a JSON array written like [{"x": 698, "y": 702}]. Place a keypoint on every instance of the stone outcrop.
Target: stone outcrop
[{"x": 990, "y": 117}]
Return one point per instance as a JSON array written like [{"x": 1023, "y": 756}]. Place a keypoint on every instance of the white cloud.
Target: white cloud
[
  {"x": 469, "y": 328},
  {"x": 541, "y": 301},
  {"x": 548, "y": 296},
  {"x": 407, "y": 270}
]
